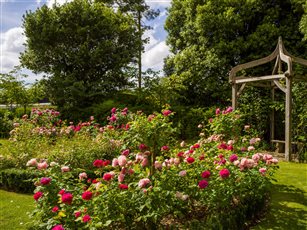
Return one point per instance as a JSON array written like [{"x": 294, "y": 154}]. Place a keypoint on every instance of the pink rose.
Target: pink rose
[
  {"x": 65, "y": 169},
  {"x": 45, "y": 180},
  {"x": 122, "y": 160},
  {"x": 267, "y": 157},
  {"x": 142, "y": 147},
  {"x": 32, "y": 163},
  {"x": 158, "y": 165},
  {"x": 98, "y": 163},
  {"x": 113, "y": 110},
  {"x": 121, "y": 177},
  {"x": 139, "y": 157},
  {"x": 58, "y": 227},
  {"x": 143, "y": 182},
  {"x": 164, "y": 148},
  {"x": 42, "y": 165},
  {"x": 217, "y": 111},
  {"x": 250, "y": 148},
  {"x": 144, "y": 162},
  {"x": 176, "y": 161},
  {"x": 77, "y": 214},
  {"x": 123, "y": 187},
  {"x": 55, "y": 209},
  {"x": 126, "y": 152},
  {"x": 166, "y": 112},
  {"x": 82, "y": 176},
  {"x": 183, "y": 173},
  {"x": 262, "y": 171},
  {"x": 114, "y": 162},
  {"x": 256, "y": 157}
]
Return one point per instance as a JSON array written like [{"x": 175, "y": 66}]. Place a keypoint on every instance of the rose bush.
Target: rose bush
[{"x": 152, "y": 183}]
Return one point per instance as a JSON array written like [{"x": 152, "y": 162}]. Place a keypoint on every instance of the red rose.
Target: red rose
[
  {"x": 45, "y": 180},
  {"x": 196, "y": 146},
  {"x": 86, "y": 218},
  {"x": 67, "y": 198},
  {"x": 77, "y": 214},
  {"x": 107, "y": 176},
  {"x": 233, "y": 158},
  {"x": 180, "y": 154},
  {"x": 224, "y": 173},
  {"x": 205, "y": 174},
  {"x": 55, "y": 209},
  {"x": 98, "y": 163},
  {"x": 190, "y": 160},
  {"x": 62, "y": 191},
  {"x": 164, "y": 148},
  {"x": 142, "y": 147},
  {"x": 222, "y": 146},
  {"x": 202, "y": 184},
  {"x": 106, "y": 163},
  {"x": 230, "y": 147},
  {"x": 166, "y": 112},
  {"x": 123, "y": 186},
  {"x": 37, "y": 195},
  {"x": 87, "y": 195}
]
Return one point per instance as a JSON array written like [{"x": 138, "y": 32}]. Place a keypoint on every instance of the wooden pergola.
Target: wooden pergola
[{"x": 272, "y": 81}]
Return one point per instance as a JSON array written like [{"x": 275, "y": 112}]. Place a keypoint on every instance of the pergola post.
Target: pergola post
[
  {"x": 288, "y": 126},
  {"x": 272, "y": 117},
  {"x": 234, "y": 95}
]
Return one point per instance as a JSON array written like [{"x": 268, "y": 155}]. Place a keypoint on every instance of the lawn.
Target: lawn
[
  {"x": 288, "y": 208},
  {"x": 13, "y": 210}
]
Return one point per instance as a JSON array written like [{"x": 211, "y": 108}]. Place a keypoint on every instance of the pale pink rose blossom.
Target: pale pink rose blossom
[
  {"x": 52, "y": 164},
  {"x": 185, "y": 197},
  {"x": 183, "y": 173},
  {"x": 182, "y": 144},
  {"x": 200, "y": 126},
  {"x": 139, "y": 157},
  {"x": 42, "y": 165},
  {"x": 267, "y": 157},
  {"x": 97, "y": 185},
  {"x": 250, "y": 148},
  {"x": 230, "y": 142},
  {"x": 121, "y": 178},
  {"x": 252, "y": 141},
  {"x": 114, "y": 162},
  {"x": 65, "y": 169},
  {"x": 158, "y": 165},
  {"x": 236, "y": 163},
  {"x": 176, "y": 161},
  {"x": 262, "y": 171},
  {"x": 256, "y": 157},
  {"x": 274, "y": 160},
  {"x": 143, "y": 182},
  {"x": 82, "y": 176},
  {"x": 32, "y": 163},
  {"x": 247, "y": 127},
  {"x": 144, "y": 162},
  {"x": 122, "y": 160}
]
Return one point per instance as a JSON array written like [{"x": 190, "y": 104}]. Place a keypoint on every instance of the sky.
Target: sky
[{"x": 12, "y": 38}]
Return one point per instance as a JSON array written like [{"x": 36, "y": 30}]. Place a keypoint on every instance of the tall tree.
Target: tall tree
[
  {"x": 209, "y": 37},
  {"x": 141, "y": 13},
  {"x": 84, "y": 47}
]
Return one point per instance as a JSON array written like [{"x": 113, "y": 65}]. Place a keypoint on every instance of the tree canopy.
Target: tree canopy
[
  {"x": 83, "y": 46},
  {"x": 207, "y": 38}
]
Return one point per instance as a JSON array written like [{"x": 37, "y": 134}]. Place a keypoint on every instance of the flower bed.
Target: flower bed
[{"x": 217, "y": 183}]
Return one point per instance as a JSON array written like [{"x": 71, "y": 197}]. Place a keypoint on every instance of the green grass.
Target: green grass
[
  {"x": 13, "y": 210},
  {"x": 288, "y": 207}
]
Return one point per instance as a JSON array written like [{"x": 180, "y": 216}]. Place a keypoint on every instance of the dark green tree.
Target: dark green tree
[
  {"x": 207, "y": 38},
  {"x": 84, "y": 47}
]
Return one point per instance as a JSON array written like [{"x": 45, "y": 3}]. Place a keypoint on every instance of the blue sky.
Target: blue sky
[{"x": 11, "y": 38}]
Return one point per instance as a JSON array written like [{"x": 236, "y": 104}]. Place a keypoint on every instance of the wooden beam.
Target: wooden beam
[
  {"x": 251, "y": 64},
  {"x": 272, "y": 116},
  {"x": 288, "y": 131},
  {"x": 280, "y": 86},
  {"x": 242, "y": 79},
  {"x": 241, "y": 89}
]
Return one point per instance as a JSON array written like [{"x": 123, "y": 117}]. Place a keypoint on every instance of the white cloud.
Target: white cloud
[
  {"x": 11, "y": 43},
  {"x": 153, "y": 58},
  {"x": 59, "y": 2}
]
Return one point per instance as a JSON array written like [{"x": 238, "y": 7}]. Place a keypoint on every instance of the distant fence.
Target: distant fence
[{"x": 30, "y": 105}]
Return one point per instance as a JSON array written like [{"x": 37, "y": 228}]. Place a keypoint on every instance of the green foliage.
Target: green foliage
[
  {"x": 208, "y": 38},
  {"x": 17, "y": 180},
  {"x": 84, "y": 47}
]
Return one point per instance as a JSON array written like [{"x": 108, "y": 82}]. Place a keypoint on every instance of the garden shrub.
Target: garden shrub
[
  {"x": 17, "y": 180},
  {"x": 215, "y": 183}
]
